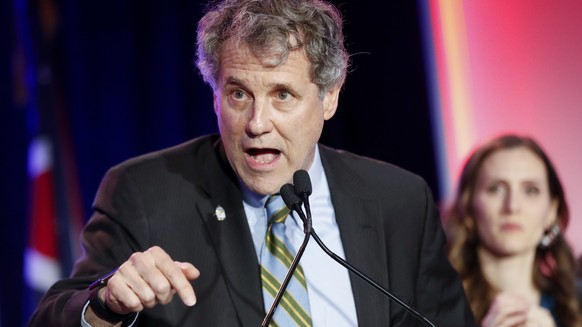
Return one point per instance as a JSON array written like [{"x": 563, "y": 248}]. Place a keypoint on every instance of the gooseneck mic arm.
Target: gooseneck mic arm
[
  {"x": 303, "y": 189},
  {"x": 285, "y": 191},
  {"x": 369, "y": 280}
]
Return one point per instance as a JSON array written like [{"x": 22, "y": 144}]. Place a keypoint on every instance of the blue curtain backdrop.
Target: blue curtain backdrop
[{"x": 128, "y": 87}]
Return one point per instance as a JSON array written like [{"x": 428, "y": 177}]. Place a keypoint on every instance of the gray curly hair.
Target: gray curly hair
[{"x": 272, "y": 29}]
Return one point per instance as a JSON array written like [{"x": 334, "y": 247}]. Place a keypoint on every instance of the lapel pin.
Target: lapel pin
[{"x": 220, "y": 213}]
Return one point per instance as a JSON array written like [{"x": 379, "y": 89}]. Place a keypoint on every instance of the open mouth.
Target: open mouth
[{"x": 263, "y": 156}]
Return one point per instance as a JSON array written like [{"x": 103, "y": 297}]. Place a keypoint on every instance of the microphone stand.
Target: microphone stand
[
  {"x": 303, "y": 188},
  {"x": 368, "y": 280},
  {"x": 361, "y": 275},
  {"x": 294, "y": 263}
]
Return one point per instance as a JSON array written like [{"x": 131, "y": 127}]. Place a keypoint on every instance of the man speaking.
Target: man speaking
[{"x": 196, "y": 235}]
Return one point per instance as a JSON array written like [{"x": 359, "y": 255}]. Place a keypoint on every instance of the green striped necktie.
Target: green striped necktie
[{"x": 276, "y": 257}]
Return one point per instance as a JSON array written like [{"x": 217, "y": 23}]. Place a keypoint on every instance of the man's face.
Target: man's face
[{"x": 270, "y": 118}]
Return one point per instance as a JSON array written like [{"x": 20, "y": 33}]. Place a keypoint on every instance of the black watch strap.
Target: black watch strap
[{"x": 99, "y": 308}]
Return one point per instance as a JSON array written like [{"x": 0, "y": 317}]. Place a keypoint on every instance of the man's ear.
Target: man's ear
[
  {"x": 215, "y": 102},
  {"x": 330, "y": 102}
]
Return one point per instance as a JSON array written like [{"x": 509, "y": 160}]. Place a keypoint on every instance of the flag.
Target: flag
[
  {"x": 55, "y": 217},
  {"x": 55, "y": 210},
  {"x": 41, "y": 260}
]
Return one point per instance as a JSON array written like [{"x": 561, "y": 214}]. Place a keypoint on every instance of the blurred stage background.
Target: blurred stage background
[{"x": 104, "y": 81}]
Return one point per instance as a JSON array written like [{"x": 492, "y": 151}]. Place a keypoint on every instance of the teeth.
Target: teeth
[{"x": 264, "y": 158}]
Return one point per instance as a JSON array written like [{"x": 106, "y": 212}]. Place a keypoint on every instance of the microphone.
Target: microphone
[
  {"x": 287, "y": 192},
  {"x": 293, "y": 202},
  {"x": 303, "y": 189}
]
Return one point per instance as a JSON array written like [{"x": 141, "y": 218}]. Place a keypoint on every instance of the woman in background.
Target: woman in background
[
  {"x": 506, "y": 238},
  {"x": 579, "y": 281}
]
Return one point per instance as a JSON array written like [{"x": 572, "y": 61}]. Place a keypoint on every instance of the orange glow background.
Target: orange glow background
[{"x": 509, "y": 66}]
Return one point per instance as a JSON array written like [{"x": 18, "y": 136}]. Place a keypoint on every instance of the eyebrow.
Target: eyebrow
[
  {"x": 234, "y": 80},
  {"x": 489, "y": 180}
]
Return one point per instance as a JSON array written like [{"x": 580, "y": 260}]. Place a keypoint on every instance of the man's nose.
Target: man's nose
[{"x": 259, "y": 120}]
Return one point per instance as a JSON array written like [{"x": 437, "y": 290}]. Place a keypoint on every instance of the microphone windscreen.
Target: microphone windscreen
[
  {"x": 288, "y": 194},
  {"x": 302, "y": 182}
]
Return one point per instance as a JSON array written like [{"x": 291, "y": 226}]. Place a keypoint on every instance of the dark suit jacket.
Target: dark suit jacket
[{"x": 388, "y": 224}]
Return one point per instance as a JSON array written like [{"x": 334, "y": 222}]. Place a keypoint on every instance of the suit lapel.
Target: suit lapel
[
  {"x": 232, "y": 238},
  {"x": 361, "y": 237}
]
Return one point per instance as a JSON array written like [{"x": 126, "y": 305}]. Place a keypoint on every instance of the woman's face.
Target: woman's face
[{"x": 512, "y": 204}]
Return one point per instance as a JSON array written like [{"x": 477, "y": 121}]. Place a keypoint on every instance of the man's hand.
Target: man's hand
[{"x": 147, "y": 279}]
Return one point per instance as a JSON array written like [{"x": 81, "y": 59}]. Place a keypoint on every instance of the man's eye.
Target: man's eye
[
  {"x": 239, "y": 94},
  {"x": 283, "y": 95}
]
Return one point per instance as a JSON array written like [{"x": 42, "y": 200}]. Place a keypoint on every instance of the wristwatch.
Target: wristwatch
[{"x": 99, "y": 308}]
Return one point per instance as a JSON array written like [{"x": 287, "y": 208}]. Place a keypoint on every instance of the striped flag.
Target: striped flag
[
  {"x": 55, "y": 208},
  {"x": 42, "y": 267},
  {"x": 55, "y": 215}
]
